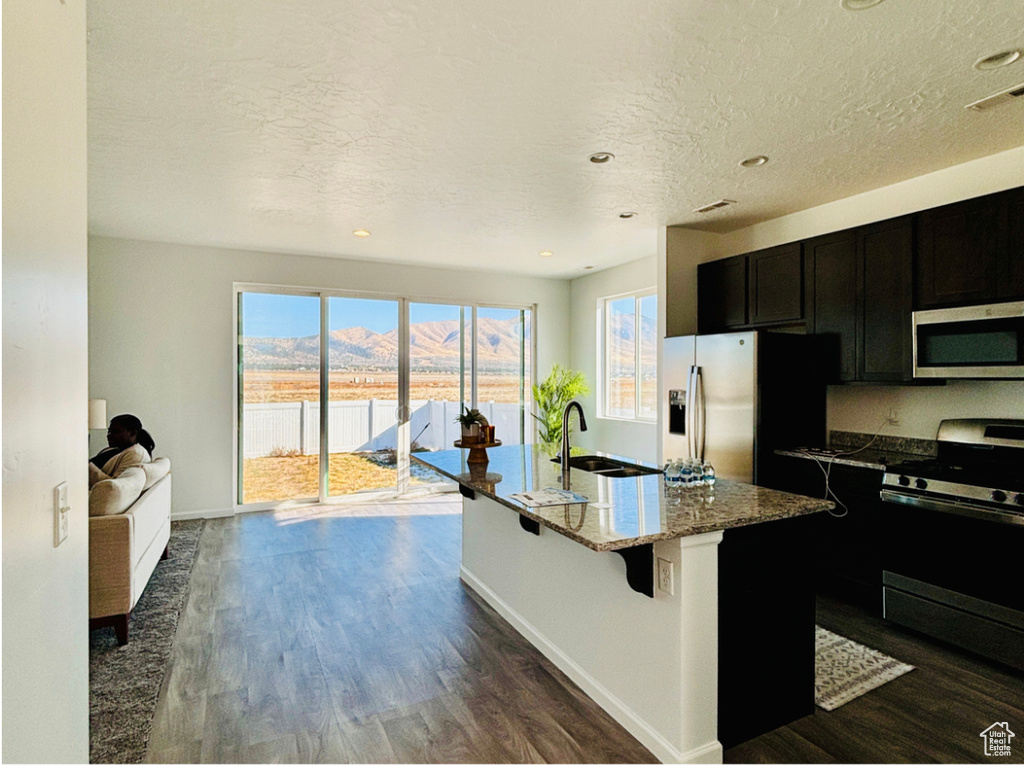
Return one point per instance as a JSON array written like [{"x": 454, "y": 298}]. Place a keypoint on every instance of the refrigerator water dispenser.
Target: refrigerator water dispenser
[{"x": 677, "y": 412}]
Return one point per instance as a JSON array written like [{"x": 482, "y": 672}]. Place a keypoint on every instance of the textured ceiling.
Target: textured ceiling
[{"x": 458, "y": 132}]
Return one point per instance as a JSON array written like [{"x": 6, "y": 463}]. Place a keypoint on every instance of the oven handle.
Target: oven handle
[{"x": 943, "y": 506}]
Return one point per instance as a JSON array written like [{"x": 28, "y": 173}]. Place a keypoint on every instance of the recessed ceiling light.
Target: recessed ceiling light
[
  {"x": 546, "y": 253},
  {"x": 628, "y": 214},
  {"x": 859, "y": 5},
  {"x": 601, "y": 157},
  {"x": 757, "y": 161},
  {"x": 361, "y": 232},
  {"x": 997, "y": 60}
]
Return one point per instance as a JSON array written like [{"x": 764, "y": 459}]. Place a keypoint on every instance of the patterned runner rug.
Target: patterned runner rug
[
  {"x": 844, "y": 670},
  {"x": 124, "y": 681}
]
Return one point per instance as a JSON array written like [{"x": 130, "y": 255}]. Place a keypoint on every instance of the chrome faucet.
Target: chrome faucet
[{"x": 565, "y": 437}]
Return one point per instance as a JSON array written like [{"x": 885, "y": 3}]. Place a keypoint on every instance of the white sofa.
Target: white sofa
[{"x": 129, "y": 531}]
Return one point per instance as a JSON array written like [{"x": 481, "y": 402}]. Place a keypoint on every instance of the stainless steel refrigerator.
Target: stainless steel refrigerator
[{"x": 734, "y": 398}]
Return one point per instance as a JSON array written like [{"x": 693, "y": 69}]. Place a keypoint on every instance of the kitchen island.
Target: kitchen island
[{"x": 648, "y": 655}]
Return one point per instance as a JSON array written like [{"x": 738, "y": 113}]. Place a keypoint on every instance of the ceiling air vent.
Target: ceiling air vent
[
  {"x": 715, "y": 205},
  {"x": 998, "y": 99}
]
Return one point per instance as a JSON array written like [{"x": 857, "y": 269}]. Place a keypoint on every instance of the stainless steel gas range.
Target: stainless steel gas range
[
  {"x": 959, "y": 526},
  {"x": 979, "y": 472}
]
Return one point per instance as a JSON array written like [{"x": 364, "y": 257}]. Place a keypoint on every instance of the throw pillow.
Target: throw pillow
[
  {"x": 115, "y": 495},
  {"x": 155, "y": 470}
]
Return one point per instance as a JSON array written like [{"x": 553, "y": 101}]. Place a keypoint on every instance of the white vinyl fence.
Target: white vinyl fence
[{"x": 362, "y": 426}]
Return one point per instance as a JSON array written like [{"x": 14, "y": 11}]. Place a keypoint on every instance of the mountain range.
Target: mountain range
[{"x": 434, "y": 347}]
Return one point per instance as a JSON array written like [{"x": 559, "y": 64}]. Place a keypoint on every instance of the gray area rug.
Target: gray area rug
[
  {"x": 844, "y": 670},
  {"x": 124, "y": 681}
]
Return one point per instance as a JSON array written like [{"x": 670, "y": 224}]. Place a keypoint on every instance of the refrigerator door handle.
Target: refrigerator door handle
[
  {"x": 691, "y": 411},
  {"x": 700, "y": 405}
]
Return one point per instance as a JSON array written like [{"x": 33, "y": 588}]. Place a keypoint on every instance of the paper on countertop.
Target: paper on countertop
[{"x": 543, "y": 497}]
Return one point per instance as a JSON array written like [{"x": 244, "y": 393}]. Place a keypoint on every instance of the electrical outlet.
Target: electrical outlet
[
  {"x": 61, "y": 512},
  {"x": 893, "y": 417},
  {"x": 666, "y": 580}
]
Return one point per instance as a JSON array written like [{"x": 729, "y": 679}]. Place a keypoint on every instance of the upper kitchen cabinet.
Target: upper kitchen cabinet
[
  {"x": 776, "y": 282},
  {"x": 858, "y": 296},
  {"x": 722, "y": 295},
  {"x": 763, "y": 288},
  {"x": 1014, "y": 284},
  {"x": 832, "y": 294},
  {"x": 966, "y": 254},
  {"x": 885, "y": 280}
]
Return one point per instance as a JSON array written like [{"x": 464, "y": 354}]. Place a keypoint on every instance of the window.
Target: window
[
  {"x": 335, "y": 390},
  {"x": 629, "y": 375}
]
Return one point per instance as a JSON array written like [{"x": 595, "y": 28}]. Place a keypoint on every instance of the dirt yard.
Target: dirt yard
[
  {"x": 278, "y": 387},
  {"x": 267, "y": 479}
]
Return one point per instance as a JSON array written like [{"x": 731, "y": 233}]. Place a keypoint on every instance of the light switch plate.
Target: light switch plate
[
  {"x": 666, "y": 578},
  {"x": 61, "y": 511}
]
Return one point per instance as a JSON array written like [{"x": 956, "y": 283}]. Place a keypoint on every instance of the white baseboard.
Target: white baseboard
[
  {"x": 644, "y": 733},
  {"x": 192, "y": 515}
]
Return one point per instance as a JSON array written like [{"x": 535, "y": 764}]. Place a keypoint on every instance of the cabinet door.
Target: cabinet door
[
  {"x": 722, "y": 294},
  {"x": 831, "y": 263},
  {"x": 885, "y": 351},
  {"x": 959, "y": 250},
  {"x": 1011, "y": 282},
  {"x": 776, "y": 285}
]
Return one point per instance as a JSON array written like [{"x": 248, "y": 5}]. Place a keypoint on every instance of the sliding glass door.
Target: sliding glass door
[
  {"x": 364, "y": 408},
  {"x": 336, "y": 391},
  {"x": 279, "y": 396}
]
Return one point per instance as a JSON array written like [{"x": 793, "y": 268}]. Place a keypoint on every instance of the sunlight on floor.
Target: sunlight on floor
[{"x": 446, "y": 503}]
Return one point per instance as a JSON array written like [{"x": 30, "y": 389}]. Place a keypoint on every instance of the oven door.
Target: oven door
[{"x": 970, "y": 342}]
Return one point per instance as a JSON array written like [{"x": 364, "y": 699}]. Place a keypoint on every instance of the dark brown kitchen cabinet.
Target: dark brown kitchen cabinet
[
  {"x": 831, "y": 268},
  {"x": 853, "y": 543},
  {"x": 1014, "y": 262},
  {"x": 859, "y": 297},
  {"x": 722, "y": 295},
  {"x": 885, "y": 279},
  {"x": 776, "y": 285},
  {"x": 965, "y": 255}
]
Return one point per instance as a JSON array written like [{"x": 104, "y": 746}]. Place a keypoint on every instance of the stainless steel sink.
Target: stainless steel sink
[{"x": 606, "y": 466}]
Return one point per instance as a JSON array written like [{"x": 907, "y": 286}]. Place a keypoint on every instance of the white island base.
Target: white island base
[{"x": 651, "y": 663}]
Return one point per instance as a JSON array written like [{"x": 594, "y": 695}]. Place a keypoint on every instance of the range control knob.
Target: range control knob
[
  {"x": 904, "y": 481},
  {"x": 921, "y": 483},
  {"x": 999, "y": 496}
]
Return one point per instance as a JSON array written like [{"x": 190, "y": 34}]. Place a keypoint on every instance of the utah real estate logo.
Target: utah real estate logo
[{"x": 997, "y": 739}]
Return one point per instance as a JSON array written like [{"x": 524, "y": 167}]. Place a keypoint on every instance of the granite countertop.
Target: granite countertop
[
  {"x": 875, "y": 452},
  {"x": 622, "y": 512},
  {"x": 873, "y": 459}
]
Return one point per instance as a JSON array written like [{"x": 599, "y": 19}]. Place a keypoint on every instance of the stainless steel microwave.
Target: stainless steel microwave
[{"x": 978, "y": 341}]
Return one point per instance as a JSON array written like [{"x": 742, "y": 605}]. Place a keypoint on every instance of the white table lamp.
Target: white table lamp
[{"x": 97, "y": 414}]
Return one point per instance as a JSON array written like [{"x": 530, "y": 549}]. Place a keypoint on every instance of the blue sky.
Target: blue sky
[{"x": 269, "y": 315}]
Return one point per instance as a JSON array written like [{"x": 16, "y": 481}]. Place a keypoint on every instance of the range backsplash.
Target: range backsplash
[{"x": 903, "y": 444}]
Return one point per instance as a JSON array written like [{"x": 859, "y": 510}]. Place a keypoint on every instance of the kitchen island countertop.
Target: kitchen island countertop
[{"x": 621, "y": 512}]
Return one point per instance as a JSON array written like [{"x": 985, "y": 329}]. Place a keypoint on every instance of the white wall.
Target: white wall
[
  {"x": 857, "y": 408},
  {"x": 162, "y": 341},
  {"x": 630, "y": 439},
  {"x": 45, "y": 589}
]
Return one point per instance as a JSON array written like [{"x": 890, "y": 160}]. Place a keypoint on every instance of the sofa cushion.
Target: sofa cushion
[
  {"x": 155, "y": 470},
  {"x": 115, "y": 495}
]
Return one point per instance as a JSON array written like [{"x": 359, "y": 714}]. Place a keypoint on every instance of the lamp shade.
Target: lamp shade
[{"x": 97, "y": 414}]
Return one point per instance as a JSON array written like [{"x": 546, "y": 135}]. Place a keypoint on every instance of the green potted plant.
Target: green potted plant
[
  {"x": 551, "y": 396},
  {"x": 471, "y": 420}
]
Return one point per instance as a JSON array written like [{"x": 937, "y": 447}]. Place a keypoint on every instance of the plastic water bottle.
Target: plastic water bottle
[
  {"x": 671, "y": 475},
  {"x": 709, "y": 474},
  {"x": 685, "y": 473},
  {"x": 697, "y": 473}
]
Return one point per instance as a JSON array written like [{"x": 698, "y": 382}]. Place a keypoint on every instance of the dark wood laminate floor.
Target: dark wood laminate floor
[
  {"x": 933, "y": 714},
  {"x": 345, "y": 637}
]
